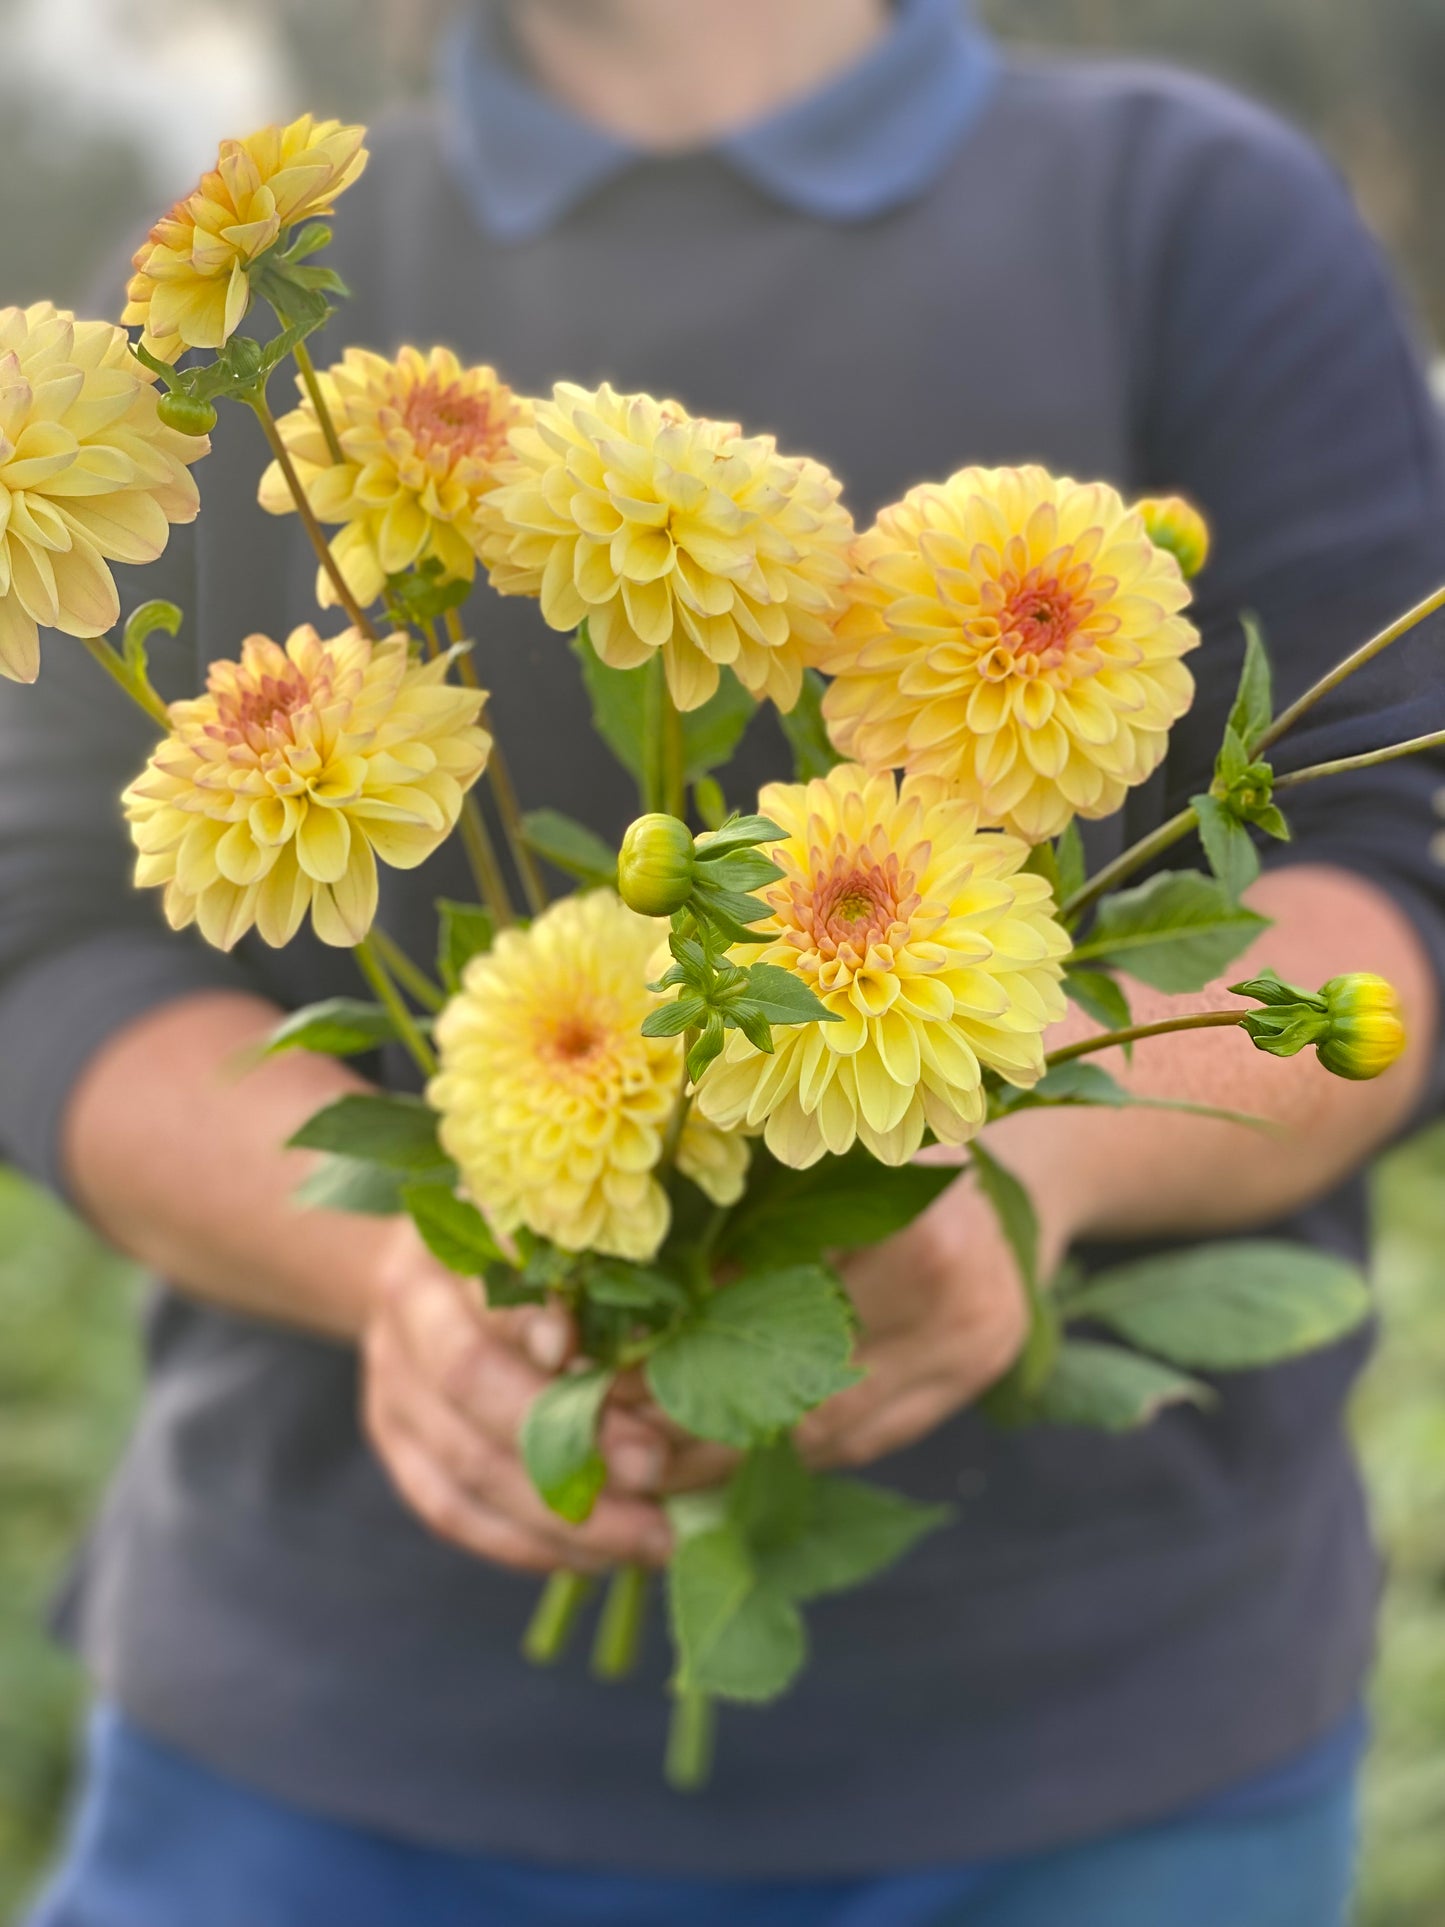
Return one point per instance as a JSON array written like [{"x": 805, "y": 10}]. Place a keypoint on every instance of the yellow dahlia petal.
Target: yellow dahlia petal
[
  {"x": 553, "y": 1104},
  {"x": 249, "y": 813},
  {"x": 1006, "y": 627},
  {"x": 669, "y": 532},
  {"x": 927, "y": 935}
]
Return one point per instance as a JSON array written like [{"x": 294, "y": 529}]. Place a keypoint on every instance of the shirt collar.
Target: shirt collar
[{"x": 871, "y": 140}]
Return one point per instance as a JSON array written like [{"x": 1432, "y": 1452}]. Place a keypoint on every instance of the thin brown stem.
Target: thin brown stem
[
  {"x": 1128, "y": 861},
  {"x": 1107, "y": 1040},
  {"x": 409, "y": 975},
  {"x": 1367, "y": 651},
  {"x": 486, "y": 870},
  {"x": 504, "y": 792},
  {"x": 309, "y": 522},
  {"x": 318, "y": 400}
]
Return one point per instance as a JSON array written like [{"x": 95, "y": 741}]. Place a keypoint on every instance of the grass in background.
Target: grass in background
[{"x": 68, "y": 1375}]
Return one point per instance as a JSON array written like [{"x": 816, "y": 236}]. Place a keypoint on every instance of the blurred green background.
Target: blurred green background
[{"x": 108, "y": 109}]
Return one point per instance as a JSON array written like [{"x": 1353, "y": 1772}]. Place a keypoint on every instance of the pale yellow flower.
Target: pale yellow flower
[
  {"x": 1019, "y": 635},
  {"x": 191, "y": 287},
  {"x": 668, "y": 532},
  {"x": 421, "y": 437},
  {"x": 553, "y": 1104},
  {"x": 278, "y": 789},
  {"x": 923, "y": 935},
  {"x": 88, "y": 476}
]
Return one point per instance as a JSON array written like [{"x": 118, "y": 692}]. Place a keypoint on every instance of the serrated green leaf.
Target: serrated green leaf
[
  {"x": 559, "y": 1442},
  {"x": 671, "y": 1020},
  {"x": 465, "y": 931},
  {"x": 628, "y": 1287},
  {"x": 785, "y": 999},
  {"x": 1227, "y": 844},
  {"x": 807, "y": 733},
  {"x": 339, "y": 1027},
  {"x": 570, "y": 846},
  {"x": 850, "y": 1531},
  {"x": 1099, "y": 997},
  {"x": 1253, "y": 709},
  {"x": 1176, "y": 932},
  {"x": 353, "y": 1184},
  {"x": 742, "y": 870},
  {"x": 738, "y": 833},
  {"x": 754, "y": 1025},
  {"x": 769, "y": 1495},
  {"x": 737, "y": 1636},
  {"x": 756, "y": 1356},
  {"x": 837, "y": 1204},
  {"x": 398, "y": 1132},
  {"x": 1229, "y": 1306},
  {"x": 453, "y": 1230},
  {"x": 1109, "y": 1389}
]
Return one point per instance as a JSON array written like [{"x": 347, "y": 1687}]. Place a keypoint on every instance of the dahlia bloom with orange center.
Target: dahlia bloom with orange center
[
  {"x": 421, "y": 437},
  {"x": 89, "y": 475},
  {"x": 1019, "y": 635},
  {"x": 278, "y": 789},
  {"x": 668, "y": 532},
  {"x": 934, "y": 949},
  {"x": 191, "y": 287},
  {"x": 553, "y": 1103}
]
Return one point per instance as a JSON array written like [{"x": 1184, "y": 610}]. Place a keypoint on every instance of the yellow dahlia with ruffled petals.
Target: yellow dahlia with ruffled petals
[
  {"x": 1019, "y": 635},
  {"x": 88, "y": 475},
  {"x": 421, "y": 437},
  {"x": 922, "y": 934},
  {"x": 667, "y": 532},
  {"x": 278, "y": 789},
  {"x": 191, "y": 287},
  {"x": 553, "y": 1103}
]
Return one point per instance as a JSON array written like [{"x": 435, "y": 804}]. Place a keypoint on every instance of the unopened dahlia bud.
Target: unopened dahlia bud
[
  {"x": 654, "y": 869},
  {"x": 1176, "y": 525},
  {"x": 186, "y": 414},
  {"x": 1367, "y": 1027}
]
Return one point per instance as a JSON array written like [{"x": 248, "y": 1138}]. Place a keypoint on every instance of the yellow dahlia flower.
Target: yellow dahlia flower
[
  {"x": 278, "y": 789},
  {"x": 1367, "y": 1026},
  {"x": 553, "y": 1103},
  {"x": 421, "y": 436},
  {"x": 673, "y": 533},
  {"x": 1018, "y": 635},
  {"x": 88, "y": 475},
  {"x": 939, "y": 955},
  {"x": 191, "y": 288}
]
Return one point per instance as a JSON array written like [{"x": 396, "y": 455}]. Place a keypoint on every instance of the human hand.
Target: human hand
[{"x": 446, "y": 1384}]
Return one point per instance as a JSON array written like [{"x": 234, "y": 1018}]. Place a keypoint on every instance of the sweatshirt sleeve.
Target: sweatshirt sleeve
[
  {"x": 82, "y": 953},
  {"x": 1277, "y": 385}
]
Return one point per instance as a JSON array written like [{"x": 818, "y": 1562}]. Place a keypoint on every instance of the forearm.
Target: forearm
[
  {"x": 173, "y": 1145},
  {"x": 1143, "y": 1172}
]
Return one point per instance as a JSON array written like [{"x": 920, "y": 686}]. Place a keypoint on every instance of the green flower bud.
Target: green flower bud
[
  {"x": 1367, "y": 1028},
  {"x": 185, "y": 414},
  {"x": 654, "y": 870},
  {"x": 1176, "y": 525}
]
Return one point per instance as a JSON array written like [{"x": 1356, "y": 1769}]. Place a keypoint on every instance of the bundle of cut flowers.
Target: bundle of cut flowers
[{"x": 671, "y": 1097}]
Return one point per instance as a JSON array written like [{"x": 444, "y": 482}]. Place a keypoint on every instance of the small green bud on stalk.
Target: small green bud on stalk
[
  {"x": 1176, "y": 525},
  {"x": 185, "y": 414},
  {"x": 1367, "y": 1027},
  {"x": 655, "y": 867}
]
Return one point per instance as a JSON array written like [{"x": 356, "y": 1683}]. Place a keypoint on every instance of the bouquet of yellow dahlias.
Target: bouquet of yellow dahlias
[{"x": 670, "y": 1096}]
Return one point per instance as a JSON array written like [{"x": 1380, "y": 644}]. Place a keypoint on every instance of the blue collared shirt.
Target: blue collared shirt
[{"x": 874, "y": 138}]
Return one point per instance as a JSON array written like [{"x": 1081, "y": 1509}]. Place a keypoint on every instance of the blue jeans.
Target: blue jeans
[{"x": 159, "y": 1841}]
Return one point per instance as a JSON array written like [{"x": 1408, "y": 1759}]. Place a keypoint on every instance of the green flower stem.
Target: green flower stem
[
  {"x": 690, "y": 1742},
  {"x": 504, "y": 791},
  {"x": 313, "y": 528},
  {"x": 409, "y": 975},
  {"x": 677, "y": 1123},
  {"x": 551, "y": 1624},
  {"x": 1366, "y": 760},
  {"x": 486, "y": 870},
  {"x": 1106, "y": 1040},
  {"x": 1128, "y": 861},
  {"x": 655, "y": 705},
  {"x": 619, "y": 1632},
  {"x": 302, "y": 355},
  {"x": 674, "y": 757},
  {"x": 1367, "y": 651},
  {"x": 369, "y": 962},
  {"x": 135, "y": 683}
]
